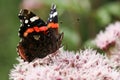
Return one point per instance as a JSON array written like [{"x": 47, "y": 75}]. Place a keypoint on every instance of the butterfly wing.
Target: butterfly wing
[
  {"x": 53, "y": 18},
  {"x": 28, "y": 20},
  {"x": 53, "y": 26}
]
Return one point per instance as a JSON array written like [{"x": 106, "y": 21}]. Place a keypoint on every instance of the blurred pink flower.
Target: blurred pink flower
[
  {"x": 65, "y": 65},
  {"x": 108, "y": 38},
  {"x": 105, "y": 40},
  {"x": 109, "y": 41},
  {"x": 31, "y": 4},
  {"x": 114, "y": 28},
  {"x": 115, "y": 54}
]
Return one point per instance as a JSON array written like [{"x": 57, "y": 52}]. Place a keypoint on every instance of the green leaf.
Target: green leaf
[
  {"x": 103, "y": 17},
  {"x": 71, "y": 39},
  {"x": 114, "y": 8}
]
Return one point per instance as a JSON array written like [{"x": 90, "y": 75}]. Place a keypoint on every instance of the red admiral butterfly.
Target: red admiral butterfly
[{"x": 38, "y": 39}]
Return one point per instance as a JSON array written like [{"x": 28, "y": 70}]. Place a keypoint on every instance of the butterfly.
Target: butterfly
[{"x": 38, "y": 38}]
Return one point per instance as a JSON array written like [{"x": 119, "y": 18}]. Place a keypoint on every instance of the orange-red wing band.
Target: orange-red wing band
[
  {"x": 36, "y": 29},
  {"x": 29, "y": 30},
  {"x": 53, "y": 25},
  {"x": 39, "y": 29},
  {"x": 44, "y": 28}
]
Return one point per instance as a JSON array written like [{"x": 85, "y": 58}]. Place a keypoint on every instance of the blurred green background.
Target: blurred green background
[{"x": 80, "y": 20}]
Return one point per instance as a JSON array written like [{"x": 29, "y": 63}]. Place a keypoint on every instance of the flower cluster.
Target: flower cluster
[
  {"x": 109, "y": 37},
  {"x": 65, "y": 65},
  {"x": 109, "y": 41}
]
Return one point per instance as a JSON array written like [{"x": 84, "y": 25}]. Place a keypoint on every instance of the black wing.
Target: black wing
[
  {"x": 53, "y": 16},
  {"x": 28, "y": 19}
]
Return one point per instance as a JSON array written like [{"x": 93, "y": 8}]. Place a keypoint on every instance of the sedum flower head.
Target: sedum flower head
[{"x": 65, "y": 65}]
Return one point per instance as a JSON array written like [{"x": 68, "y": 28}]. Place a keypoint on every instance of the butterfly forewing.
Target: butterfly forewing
[
  {"x": 28, "y": 19},
  {"x": 53, "y": 16}
]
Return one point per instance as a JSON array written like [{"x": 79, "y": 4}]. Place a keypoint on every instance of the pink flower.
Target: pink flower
[
  {"x": 109, "y": 41},
  {"x": 105, "y": 40},
  {"x": 108, "y": 38},
  {"x": 114, "y": 28},
  {"x": 65, "y": 65},
  {"x": 31, "y": 4}
]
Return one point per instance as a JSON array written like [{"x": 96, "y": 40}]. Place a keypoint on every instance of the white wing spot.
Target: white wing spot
[
  {"x": 20, "y": 20},
  {"x": 34, "y": 18},
  {"x": 50, "y": 15},
  {"x": 21, "y": 11},
  {"x": 54, "y": 7},
  {"x": 26, "y": 21},
  {"x": 28, "y": 25},
  {"x": 19, "y": 14},
  {"x": 54, "y": 14},
  {"x": 24, "y": 17}
]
